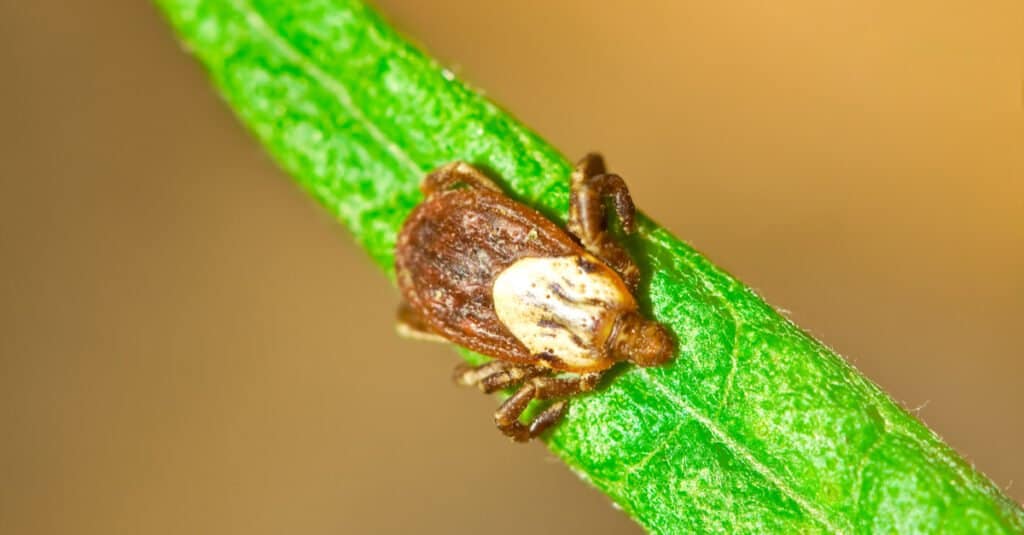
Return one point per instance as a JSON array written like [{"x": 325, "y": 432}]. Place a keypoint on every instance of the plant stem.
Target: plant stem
[{"x": 755, "y": 427}]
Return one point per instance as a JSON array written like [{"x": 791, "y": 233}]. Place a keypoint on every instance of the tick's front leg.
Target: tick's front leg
[{"x": 590, "y": 186}]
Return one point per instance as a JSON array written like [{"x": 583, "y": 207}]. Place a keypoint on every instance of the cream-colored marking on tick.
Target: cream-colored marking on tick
[{"x": 562, "y": 306}]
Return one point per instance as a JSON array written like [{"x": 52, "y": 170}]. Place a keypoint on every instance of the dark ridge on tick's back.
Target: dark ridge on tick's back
[{"x": 554, "y": 308}]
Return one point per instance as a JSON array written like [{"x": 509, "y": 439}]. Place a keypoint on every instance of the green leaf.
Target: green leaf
[{"x": 755, "y": 427}]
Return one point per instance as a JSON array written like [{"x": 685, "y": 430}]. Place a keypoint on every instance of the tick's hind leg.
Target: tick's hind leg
[
  {"x": 507, "y": 416},
  {"x": 590, "y": 186},
  {"x": 495, "y": 375},
  {"x": 453, "y": 174},
  {"x": 411, "y": 325}
]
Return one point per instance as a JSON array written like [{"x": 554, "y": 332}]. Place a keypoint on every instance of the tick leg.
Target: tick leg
[
  {"x": 548, "y": 418},
  {"x": 412, "y": 325},
  {"x": 590, "y": 186},
  {"x": 560, "y": 387},
  {"x": 453, "y": 174},
  {"x": 507, "y": 416},
  {"x": 495, "y": 375}
]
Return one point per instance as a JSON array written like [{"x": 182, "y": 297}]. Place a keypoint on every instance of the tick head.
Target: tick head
[{"x": 641, "y": 341}]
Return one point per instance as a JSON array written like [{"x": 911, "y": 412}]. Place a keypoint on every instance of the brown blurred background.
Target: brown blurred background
[{"x": 189, "y": 345}]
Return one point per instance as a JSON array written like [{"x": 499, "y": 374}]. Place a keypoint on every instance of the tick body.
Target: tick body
[{"x": 555, "y": 309}]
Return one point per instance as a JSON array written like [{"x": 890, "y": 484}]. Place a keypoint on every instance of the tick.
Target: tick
[{"x": 554, "y": 308}]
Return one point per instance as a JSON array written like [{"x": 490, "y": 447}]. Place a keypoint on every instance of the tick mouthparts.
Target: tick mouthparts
[{"x": 641, "y": 341}]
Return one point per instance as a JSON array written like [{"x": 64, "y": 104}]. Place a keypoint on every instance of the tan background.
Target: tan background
[{"x": 190, "y": 345}]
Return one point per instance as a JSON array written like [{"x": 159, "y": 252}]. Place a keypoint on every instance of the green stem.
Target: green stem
[{"x": 755, "y": 427}]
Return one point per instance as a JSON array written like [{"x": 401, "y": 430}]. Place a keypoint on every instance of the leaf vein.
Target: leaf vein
[{"x": 744, "y": 455}]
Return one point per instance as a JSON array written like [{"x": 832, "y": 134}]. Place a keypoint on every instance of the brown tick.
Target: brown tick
[{"x": 554, "y": 310}]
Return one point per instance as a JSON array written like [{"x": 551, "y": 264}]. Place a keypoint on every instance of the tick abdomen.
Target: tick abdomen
[
  {"x": 562, "y": 308},
  {"x": 452, "y": 249}
]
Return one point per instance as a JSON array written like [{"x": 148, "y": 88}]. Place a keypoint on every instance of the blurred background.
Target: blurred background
[{"x": 188, "y": 344}]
